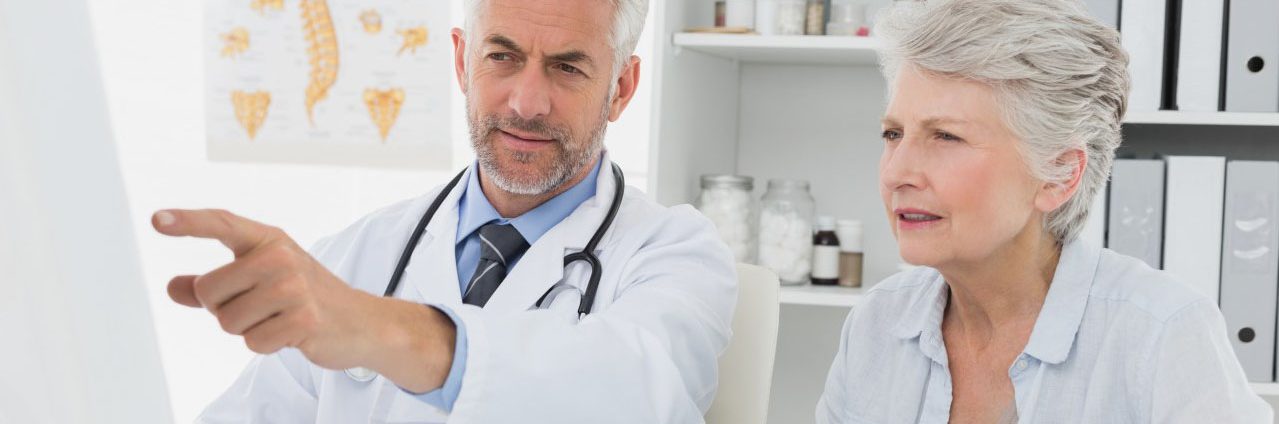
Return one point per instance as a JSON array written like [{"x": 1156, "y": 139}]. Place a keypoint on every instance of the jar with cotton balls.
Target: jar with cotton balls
[
  {"x": 728, "y": 202},
  {"x": 786, "y": 230}
]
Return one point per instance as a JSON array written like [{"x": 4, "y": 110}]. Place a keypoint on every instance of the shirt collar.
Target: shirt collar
[
  {"x": 1054, "y": 333},
  {"x": 474, "y": 210},
  {"x": 928, "y": 308},
  {"x": 1063, "y": 310}
]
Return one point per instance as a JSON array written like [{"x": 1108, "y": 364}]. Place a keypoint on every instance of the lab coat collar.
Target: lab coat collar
[
  {"x": 435, "y": 263},
  {"x": 1063, "y": 310},
  {"x": 432, "y": 272},
  {"x": 1054, "y": 333},
  {"x": 543, "y": 265},
  {"x": 475, "y": 210}
]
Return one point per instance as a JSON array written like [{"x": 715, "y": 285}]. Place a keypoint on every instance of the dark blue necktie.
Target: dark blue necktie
[{"x": 498, "y": 245}]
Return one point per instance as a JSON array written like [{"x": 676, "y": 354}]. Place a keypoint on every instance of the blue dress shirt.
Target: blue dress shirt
[{"x": 474, "y": 211}]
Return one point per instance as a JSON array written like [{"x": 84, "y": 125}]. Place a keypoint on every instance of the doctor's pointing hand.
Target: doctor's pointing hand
[
  {"x": 533, "y": 287},
  {"x": 276, "y": 295}
]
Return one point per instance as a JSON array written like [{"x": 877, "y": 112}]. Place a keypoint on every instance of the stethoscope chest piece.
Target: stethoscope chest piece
[{"x": 361, "y": 374}]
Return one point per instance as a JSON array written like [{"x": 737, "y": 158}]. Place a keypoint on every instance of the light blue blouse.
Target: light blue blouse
[{"x": 1116, "y": 341}]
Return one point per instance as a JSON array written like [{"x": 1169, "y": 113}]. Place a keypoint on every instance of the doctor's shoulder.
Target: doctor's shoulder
[
  {"x": 659, "y": 238},
  {"x": 646, "y": 219},
  {"x": 387, "y": 227}
]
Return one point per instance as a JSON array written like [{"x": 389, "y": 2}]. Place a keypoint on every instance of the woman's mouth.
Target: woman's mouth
[{"x": 915, "y": 219}]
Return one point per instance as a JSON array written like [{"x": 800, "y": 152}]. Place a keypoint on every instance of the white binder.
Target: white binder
[
  {"x": 1141, "y": 26},
  {"x": 1095, "y": 228},
  {"x": 1250, "y": 264},
  {"x": 1192, "y": 221},
  {"x": 1135, "y": 221},
  {"x": 1199, "y": 55},
  {"x": 1252, "y": 56},
  {"x": 1107, "y": 11}
]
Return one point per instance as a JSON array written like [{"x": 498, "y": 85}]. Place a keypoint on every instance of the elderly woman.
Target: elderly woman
[{"x": 1002, "y": 123}]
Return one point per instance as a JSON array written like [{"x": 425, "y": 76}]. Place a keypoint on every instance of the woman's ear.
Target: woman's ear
[{"x": 1053, "y": 194}]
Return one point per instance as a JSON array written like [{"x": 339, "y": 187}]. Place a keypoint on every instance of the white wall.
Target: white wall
[
  {"x": 78, "y": 341},
  {"x": 154, "y": 78}
]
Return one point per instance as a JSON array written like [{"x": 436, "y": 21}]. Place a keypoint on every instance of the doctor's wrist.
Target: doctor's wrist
[{"x": 415, "y": 347}]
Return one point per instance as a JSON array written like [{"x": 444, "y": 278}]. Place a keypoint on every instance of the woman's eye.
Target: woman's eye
[
  {"x": 891, "y": 135},
  {"x": 945, "y": 136}
]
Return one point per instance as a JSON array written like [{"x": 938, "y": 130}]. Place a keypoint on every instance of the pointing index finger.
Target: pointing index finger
[{"x": 239, "y": 234}]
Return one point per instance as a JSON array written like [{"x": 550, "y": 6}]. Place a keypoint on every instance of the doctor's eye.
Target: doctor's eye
[{"x": 568, "y": 69}]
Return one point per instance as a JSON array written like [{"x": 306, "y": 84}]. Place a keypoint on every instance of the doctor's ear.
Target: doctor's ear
[
  {"x": 459, "y": 56},
  {"x": 1053, "y": 194},
  {"x": 626, "y": 83}
]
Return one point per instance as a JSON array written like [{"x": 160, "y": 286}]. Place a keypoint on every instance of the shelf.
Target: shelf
[
  {"x": 1203, "y": 118},
  {"x": 789, "y": 49},
  {"x": 1266, "y": 389},
  {"x": 809, "y": 294}
]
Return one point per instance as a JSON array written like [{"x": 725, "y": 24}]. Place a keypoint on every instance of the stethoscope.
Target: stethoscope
[{"x": 587, "y": 254}]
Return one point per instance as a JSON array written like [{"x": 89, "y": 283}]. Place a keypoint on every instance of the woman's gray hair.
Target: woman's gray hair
[
  {"x": 628, "y": 24},
  {"x": 1061, "y": 78}
]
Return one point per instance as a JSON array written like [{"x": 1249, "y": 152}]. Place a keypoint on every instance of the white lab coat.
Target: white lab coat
[{"x": 646, "y": 354}]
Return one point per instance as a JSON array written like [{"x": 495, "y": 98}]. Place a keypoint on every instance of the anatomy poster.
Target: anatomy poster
[{"x": 343, "y": 82}]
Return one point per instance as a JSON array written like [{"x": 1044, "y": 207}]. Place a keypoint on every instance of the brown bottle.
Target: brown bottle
[{"x": 825, "y": 253}]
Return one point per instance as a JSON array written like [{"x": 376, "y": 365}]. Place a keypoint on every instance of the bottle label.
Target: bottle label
[{"x": 826, "y": 262}]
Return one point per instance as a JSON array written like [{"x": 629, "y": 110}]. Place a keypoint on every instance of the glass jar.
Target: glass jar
[
  {"x": 727, "y": 201},
  {"x": 780, "y": 17},
  {"x": 848, "y": 18},
  {"x": 786, "y": 230}
]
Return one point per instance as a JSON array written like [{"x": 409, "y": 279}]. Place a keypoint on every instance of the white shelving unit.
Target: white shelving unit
[
  {"x": 821, "y": 295},
  {"x": 1203, "y": 118},
  {"x": 782, "y": 49},
  {"x": 804, "y": 107},
  {"x": 1266, "y": 389}
]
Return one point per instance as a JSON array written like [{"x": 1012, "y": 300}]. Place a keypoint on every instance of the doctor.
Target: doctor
[{"x": 482, "y": 321}]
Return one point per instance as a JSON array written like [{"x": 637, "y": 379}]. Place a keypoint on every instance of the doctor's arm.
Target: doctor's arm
[{"x": 275, "y": 295}]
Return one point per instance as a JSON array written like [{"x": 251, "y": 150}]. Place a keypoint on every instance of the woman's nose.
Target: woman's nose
[{"x": 901, "y": 165}]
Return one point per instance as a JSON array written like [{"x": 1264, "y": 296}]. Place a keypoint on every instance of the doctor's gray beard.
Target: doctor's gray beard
[{"x": 571, "y": 155}]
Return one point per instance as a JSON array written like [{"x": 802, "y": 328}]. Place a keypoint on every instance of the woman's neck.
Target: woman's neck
[{"x": 1004, "y": 291}]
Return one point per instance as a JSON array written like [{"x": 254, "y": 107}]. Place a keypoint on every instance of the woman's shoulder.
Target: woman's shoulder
[
  {"x": 904, "y": 282},
  {"x": 1124, "y": 281},
  {"x": 898, "y": 293}
]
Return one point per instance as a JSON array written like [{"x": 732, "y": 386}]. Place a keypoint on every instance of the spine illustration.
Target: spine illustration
[{"x": 322, "y": 50}]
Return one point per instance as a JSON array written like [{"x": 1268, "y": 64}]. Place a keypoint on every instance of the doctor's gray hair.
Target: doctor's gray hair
[
  {"x": 1060, "y": 76},
  {"x": 628, "y": 24}
]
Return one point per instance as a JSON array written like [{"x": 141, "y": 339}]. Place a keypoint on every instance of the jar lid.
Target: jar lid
[
  {"x": 850, "y": 235},
  {"x": 825, "y": 223},
  {"x": 725, "y": 180},
  {"x": 788, "y": 183}
]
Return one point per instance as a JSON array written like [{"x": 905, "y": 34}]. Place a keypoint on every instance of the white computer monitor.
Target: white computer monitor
[{"x": 77, "y": 344}]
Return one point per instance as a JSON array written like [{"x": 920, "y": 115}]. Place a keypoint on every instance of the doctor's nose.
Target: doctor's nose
[{"x": 531, "y": 96}]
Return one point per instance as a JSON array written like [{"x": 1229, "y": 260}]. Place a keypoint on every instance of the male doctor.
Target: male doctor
[{"x": 484, "y": 326}]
